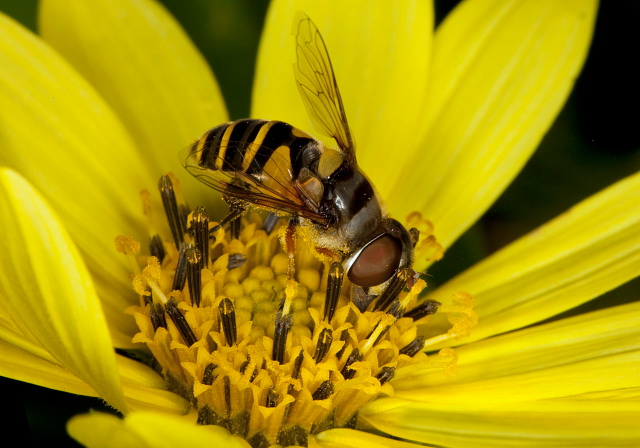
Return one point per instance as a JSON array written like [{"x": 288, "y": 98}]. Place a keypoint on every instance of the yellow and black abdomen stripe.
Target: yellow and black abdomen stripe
[{"x": 248, "y": 145}]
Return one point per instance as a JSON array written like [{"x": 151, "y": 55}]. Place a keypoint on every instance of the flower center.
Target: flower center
[{"x": 212, "y": 314}]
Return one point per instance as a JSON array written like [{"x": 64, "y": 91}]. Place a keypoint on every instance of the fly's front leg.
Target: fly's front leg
[{"x": 236, "y": 209}]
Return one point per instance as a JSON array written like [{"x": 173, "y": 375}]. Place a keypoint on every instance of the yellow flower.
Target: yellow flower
[{"x": 97, "y": 110}]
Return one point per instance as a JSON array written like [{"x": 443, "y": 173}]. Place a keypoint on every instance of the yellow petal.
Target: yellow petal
[
  {"x": 143, "y": 63},
  {"x": 585, "y": 252},
  {"x": 544, "y": 423},
  {"x": 61, "y": 135},
  {"x": 15, "y": 336},
  {"x": 42, "y": 370},
  {"x": 592, "y": 353},
  {"x": 22, "y": 365},
  {"x": 380, "y": 53},
  {"x": 145, "y": 389},
  {"x": 147, "y": 429},
  {"x": 48, "y": 291},
  {"x": 501, "y": 72},
  {"x": 24, "y": 359},
  {"x": 340, "y": 438}
]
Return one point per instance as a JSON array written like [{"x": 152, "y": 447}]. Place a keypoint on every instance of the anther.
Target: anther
[
  {"x": 386, "y": 374},
  {"x": 392, "y": 291},
  {"x": 148, "y": 298},
  {"x": 228, "y": 317},
  {"x": 180, "y": 277},
  {"x": 227, "y": 393},
  {"x": 157, "y": 316},
  {"x": 297, "y": 365},
  {"x": 194, "y": 265},
  {"x": 334, "y": 284},
  {"x": 296, "y": 370},
  {"x": 236, "y": 261},
  {"x": 156, "y": 248},
  {"x": 207, "y": 375},
  {"x": 171, "y": 209},
  {"x": 183, "y": 212},
  {"x": 413, "y": 347},
  {"x": 346, "y": 371},
  {"x": 324, "y": 343},
  {"x": 272, "y": 398},
  {"x": 324, "y": 391},
  {"x": 244, "y": 365},
  {"x": 424, "y": 309},
  {"x": 181, "y": 323},
  {"x": 243, "y": 369},
  {"x": 396, "y": 310},
  {"x": 200, "y": 232},
  {"x": 283, "y": 325},
  {"x": 270, "y": 222},
  {"x": 379, "y": 332}
]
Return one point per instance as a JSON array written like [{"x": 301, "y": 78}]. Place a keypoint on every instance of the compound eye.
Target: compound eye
[{"x": 377, "y": 262}]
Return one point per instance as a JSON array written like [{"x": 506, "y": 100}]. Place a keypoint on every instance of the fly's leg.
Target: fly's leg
[
  {"x": 236, "y": 209},
  {"x": 289, "y": 243}
]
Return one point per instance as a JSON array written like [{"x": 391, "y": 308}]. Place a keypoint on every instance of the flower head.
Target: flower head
[{"x": 455, "y": 115}]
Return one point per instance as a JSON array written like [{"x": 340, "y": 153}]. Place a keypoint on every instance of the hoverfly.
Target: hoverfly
[{"x": 274, "y": 166}]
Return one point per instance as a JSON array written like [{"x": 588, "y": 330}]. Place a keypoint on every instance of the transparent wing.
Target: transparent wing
[
  {"x": 267, "y": 184},
  {"x": 318, "y": 87}
]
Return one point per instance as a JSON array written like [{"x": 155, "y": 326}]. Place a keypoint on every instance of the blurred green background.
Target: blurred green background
[{"x": 594, "y": 142}]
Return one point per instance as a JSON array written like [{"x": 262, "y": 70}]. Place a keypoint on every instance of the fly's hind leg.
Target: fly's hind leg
[{"x": 288, "y": 240}]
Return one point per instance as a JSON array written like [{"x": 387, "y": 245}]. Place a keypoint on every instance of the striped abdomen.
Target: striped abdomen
[{"x": 249, "y": 145}]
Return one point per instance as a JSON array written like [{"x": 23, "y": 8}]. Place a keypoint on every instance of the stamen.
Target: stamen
[
  {"x": 396, "y": 310},
  {"x": 228, "y": 317},
  {"x": 156, "y": 248},
  {"x": 180, "y": 277},
  {"x": 398, "y": 307},
  {"x": 272, "y": 398},
  {"x": 386, "y": 374},
  {"x": 334, "y": 285},
  {"x": 324, "y": 391},
  {"x": 194, "y": 265},
  {"x": 200, "y": 233},
  {"x": 236, "y": 261},
  {"x": 207, "y": 375},
  {"x": 424, "y": 309},
  {"x": 324, "y": 343},
  {"x": 158, "y": 318},
  {"x": 392, "y": 290},
  {"x": 378, "y": 331},
  {"x": 296, "y": 367},
  {"x": 283, "y": 325},
  {"x": 181, "y": 323},
  {"x": 171, "y": 209},
  {"x": 346, "y": 372},
  {"x": 413, "y": 347}
]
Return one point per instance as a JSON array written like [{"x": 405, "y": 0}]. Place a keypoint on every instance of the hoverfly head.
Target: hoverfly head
[{"x": 382, "y": 256}]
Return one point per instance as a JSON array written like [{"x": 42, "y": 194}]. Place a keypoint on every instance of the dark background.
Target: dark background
[{"x": 594, "y": 142}]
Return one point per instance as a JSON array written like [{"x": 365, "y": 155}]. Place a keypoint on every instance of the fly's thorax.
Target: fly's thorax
[{"x": 351, "y": 202}]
